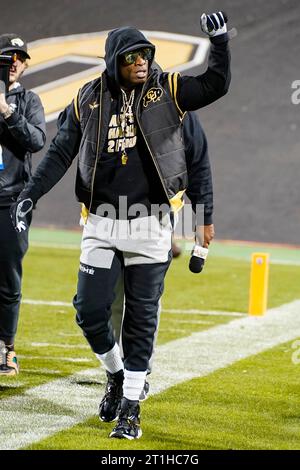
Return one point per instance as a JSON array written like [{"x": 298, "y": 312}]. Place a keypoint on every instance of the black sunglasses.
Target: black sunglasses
[{"x": 130, "y": 57}]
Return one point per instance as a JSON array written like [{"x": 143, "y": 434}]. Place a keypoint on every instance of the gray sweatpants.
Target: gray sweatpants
[{"x": 142, "y": 249}]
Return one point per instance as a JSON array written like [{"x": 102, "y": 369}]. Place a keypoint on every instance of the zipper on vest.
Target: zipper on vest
[
  {"x": 97, "y": 149},
  {"x": 153, "y": 159}
]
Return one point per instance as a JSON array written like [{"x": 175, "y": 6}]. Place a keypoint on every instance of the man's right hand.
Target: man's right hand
[{"x": 20, "y": 213}]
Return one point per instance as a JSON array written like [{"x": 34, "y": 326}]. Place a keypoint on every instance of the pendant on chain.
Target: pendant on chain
[
  {"x": 125, "y": 115},
  {"x": 124, "y": 158}
]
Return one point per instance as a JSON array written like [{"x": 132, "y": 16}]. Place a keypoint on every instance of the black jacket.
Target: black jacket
[
  {"x": 159, "y": 123},
  {"x": 188, "y": 93},
  {"x": 200, "y": 185},
  {"x": 22, "y": 134}
]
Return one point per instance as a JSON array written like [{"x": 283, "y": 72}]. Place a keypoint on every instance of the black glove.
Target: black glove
[
  {"x": 20, "y": 213},
  {"x": 214, "y": 24}
]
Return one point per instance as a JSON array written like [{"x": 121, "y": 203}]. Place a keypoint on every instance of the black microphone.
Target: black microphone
[{"x": 198, "y": 258}]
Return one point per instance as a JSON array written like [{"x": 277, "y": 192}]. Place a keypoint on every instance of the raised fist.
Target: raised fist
[{"x": 214, "y": 24}]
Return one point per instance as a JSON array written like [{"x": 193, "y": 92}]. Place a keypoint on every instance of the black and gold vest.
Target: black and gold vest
[{"x": 159, "y": 119}]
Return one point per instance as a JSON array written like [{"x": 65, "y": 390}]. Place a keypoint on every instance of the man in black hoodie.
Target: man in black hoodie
[
  {"x": 22, "y": 132},
  {"x": 132, "y": 174}
]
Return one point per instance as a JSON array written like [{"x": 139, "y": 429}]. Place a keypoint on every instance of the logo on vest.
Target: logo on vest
[
  {"x": 94, "y": 105},
  {"x": 152, "y": 95}
]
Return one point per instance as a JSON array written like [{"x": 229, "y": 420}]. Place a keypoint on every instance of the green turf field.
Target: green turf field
[{"x": 251, "y": 404}]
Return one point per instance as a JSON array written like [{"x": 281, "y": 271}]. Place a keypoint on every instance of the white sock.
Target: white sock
[
  {"x": 111, "y": 359},
  {"x": 133, "y": 384}
]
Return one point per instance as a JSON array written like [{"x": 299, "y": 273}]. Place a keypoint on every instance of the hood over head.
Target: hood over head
[{"x": 118, "y": 42}]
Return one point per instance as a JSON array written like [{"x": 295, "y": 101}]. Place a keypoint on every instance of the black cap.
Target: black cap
[{"x": 13, "y": 43}]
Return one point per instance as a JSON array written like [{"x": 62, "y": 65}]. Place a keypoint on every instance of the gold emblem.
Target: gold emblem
[
  {"x": 152, "y": 95},
  {"x": 94, "y": 105},
  {"x": 124, "y": 158}
]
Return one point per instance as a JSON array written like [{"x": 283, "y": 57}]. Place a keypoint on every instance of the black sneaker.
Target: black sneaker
[
  {"x": 128, "y": 426},
  {"x": 110, "y": 404},
  {"x": 145, "y": 392}
]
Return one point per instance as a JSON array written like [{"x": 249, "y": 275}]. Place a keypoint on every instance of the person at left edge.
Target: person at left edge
[{"x": 22, "y": 132}]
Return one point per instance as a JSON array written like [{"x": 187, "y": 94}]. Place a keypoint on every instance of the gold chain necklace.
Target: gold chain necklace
[{"x": 125, "y": 114}]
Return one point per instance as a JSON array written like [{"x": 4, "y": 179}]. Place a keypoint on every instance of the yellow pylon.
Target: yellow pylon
[{"x": 259, "y": 281}]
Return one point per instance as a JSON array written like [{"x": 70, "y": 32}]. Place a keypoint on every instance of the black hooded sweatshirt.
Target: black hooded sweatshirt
[{"x": 137, "y": 179}]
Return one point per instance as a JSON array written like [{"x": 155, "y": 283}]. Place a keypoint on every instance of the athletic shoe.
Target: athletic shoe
[
  {"x": 128, "y": 426},
  {"x": 8, "y": 361},
  {"x": 110, "y": 404},
  {"x": 145, "y": 392}
]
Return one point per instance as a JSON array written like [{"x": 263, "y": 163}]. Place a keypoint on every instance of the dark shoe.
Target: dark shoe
[
  {"x": 145, "y": 392},
  {"x": 128, "y": 426},
  {"x": 8, "y": 361},
  {"x": 110, "y": 404}
]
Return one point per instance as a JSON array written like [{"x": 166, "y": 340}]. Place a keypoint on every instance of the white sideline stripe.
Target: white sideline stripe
[
  {"x": 195, "y": 322},
  {"x": 56, "y": 358},
  {"x": 204, "y": 312},
  {"x": 22, "y": 418},
  {"x": 58, "y": 246},
  {"x": 221, "y": 346},
  {"x": 59, "y": 345},
  {"x": 68, "y": 246},
  {"x": 58, "y": 303},
  {"x": 42, "y": 371},
  {"x": 53, "y": 303},
  {"x": 15, "y": 384}
]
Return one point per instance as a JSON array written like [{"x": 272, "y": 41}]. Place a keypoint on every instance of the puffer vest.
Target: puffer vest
[{"x": 159, "y": 120}]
